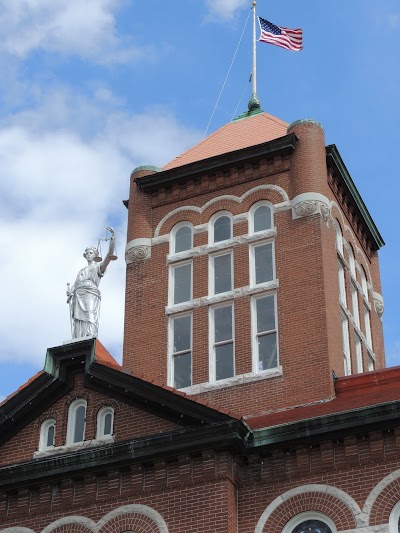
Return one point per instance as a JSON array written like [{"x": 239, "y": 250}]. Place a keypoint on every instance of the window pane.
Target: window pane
[
  {"x": 267, "y": 352},
  {"x": 222, "y": 273},
  {"x": 223, "y": 323},
  {"x": 312, "y": 526},
  {"x": 50, "y": 436},
  {"x": 182, "y": 327},
  {"x": 182, "y": 283},
  {"x": 107, "y": 424},
  {"x": 183, "y": 239},
  {"x": 222, "y": 229},
  {"x": 263, "y": 263},
  {"x": 224, "y": 361},
  {"x": 262, "y": 218},
  {"x": 265, "y": 314},
  {"x": 79, "y": 434},
  {"x": 182, "y": 370}
]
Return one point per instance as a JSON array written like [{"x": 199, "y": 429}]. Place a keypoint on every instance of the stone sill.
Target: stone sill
[{"x": 73, "y": 447}]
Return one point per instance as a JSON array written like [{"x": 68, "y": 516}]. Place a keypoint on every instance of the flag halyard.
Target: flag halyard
[{"x": 279, "y": 36}]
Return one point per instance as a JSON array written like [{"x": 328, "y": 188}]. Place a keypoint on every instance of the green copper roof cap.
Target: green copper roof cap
[
  {"x": 254, "y": 108},
  {"x": 305, "y": 121},
  {"x": 146, "y": 167}
]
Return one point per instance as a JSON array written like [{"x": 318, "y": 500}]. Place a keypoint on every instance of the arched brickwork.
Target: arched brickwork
[
  {"x": 17, "y": 530},
  {"x": 71, "y": 524},
  {"x": 137, "y": 518},
  {"x": 236, "y": 205},
  {"x": 385, "y": 500},
  {"x": 330, "y": 501},
  {"x": 72, "y": 528}
]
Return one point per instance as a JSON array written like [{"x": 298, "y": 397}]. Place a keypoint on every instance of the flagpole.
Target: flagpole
[{"x": 254, "y": 71}]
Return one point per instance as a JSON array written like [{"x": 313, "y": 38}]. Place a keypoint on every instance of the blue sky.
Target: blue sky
[{"x": 90, "y": 90}]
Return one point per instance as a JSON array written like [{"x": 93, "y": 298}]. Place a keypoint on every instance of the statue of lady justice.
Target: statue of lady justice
[{"x": 84, "y": 296}]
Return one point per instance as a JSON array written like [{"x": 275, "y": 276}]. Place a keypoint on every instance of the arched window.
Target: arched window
[
  {"x": 76, "y": 421},
  {"x": 394, "y": 521},
  {"x": 105, "y": 423},
  {"x": 47, "y": 435},
  {"x": 182, "y": 238},
  {"x": 339, "y": 237},
  {"x": 260, "y": 217},
  {"x": 221, "y": 228},
  {"x": 310, "y": 522}
]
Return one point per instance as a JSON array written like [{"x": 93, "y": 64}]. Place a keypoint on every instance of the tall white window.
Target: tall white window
[
  {"x": 181, "y": 283},
  {"x": 265, "y": 348},
  {"x": 181, "y": 351},
  {"x": 222, "y": 362},
  {"x": 47, "y": 435},
  {"x": 354, "y": 305},
  {"x": 364, "y": 284},
  {"x": 342, "y": 284},
  {"x": 221, "y": 228},
  {"x": 261, "y": 263},
  {"x": 367, "y": 322},
  {"x": 76, "y": 421},
  {"x": 359, "y": 358},
  {"x": 339, "y": 238},
  {"x": 221, "y": 273},
  {"x": 182, "y": 238},
  {"x": 346, "y": 346},
  {"x": 260, "y": 217},
  {"x": 105, "y": 422}
]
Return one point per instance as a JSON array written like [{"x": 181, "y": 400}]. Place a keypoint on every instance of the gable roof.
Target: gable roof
[{"x": 236, "y": 135}]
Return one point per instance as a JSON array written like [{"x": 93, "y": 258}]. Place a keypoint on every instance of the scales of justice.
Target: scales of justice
[{"x": 84, "y": 296}]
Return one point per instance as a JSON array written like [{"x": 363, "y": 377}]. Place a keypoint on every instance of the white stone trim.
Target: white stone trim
[
  {"x": 232, "y": 295},
  {"x": 384, "y": 528},
  {"x": 379, "y": 305},
  {"x": 74, "y": 446},
  {"x": 235, "y": 380},
  {"x": 17, "y": 529},
  {"x": 376, "y": 491},
  {"x": 134, "y": 508},
  {"x": 137, "y": 250},
  {"x": 310, "y": 203},
  {"x": 394, "y": 519},
  {"x": 81, "y": 520},
  {"x": 283, "y": 205},
  {"x": 304, "y": 489}
]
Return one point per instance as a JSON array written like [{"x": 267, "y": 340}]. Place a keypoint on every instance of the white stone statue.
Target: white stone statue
[{"x": 84, "y": 296}]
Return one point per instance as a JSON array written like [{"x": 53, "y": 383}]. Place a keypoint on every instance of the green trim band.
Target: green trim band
[
  {"x": 305, "y": 121},
  {"x": 146, "y": 167}
]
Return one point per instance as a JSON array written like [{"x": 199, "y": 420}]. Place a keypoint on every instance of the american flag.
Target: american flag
[{"x": 283, "y": 37}]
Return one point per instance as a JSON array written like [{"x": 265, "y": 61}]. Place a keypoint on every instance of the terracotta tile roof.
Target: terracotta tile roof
[
  {"x": 235, "y": 135},
  {"x": 22, "y": 387},
  {"x": 103, "y": 356},
  {"x": 353, "y": 393}
]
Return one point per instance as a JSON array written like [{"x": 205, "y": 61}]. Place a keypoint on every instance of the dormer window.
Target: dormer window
[
  {"x": 105, "y": 423},
  {"x": 47, "y": 435},
  {"x": 76, "y": 422},
  {"x": 221, "y": 228}
]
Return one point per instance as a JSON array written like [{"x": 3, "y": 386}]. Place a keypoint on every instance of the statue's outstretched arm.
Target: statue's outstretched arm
[{"x": 111, "y": 249}]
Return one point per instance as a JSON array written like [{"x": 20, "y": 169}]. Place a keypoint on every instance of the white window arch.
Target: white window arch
[
  {"x": 47, "y": 435},
  {"x": 76, "y": 421},
  {"x": 394, "y": 521},
  {"x": 181, "y": 237},
  {"x": 260, "y": 217},
  {"x": 105, "y": 422},
  {"x": 220, "y": 227},
  {"x": 310, "y": 522}
]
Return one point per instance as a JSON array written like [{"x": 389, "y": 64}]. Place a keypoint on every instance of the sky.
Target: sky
[{"x": 90, "y": 90}]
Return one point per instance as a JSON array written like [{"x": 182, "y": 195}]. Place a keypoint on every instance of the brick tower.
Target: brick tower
[{"x": 252, "y": 268}]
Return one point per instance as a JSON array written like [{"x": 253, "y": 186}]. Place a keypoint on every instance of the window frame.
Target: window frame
[
  {"x": 72, "y": 421},
  {"x": 308, "y": 515},
  {"x": 346, "y": 345},
  {"x": 171, "y": 282},
  {"x": 213, "y": 344},
  {"x": 252, "y": 261},
  {"x": 174, "y": 230},
  {"x": 211, "y": 226},
  {"x": 339, "y": 238},
  {"x": 254, "y": 332},
  {"x": 394, "y": 518},
  {"x": 44, "y": 428},
  {"x": 252, "y": 211},
  {"x": 211, "y": 272},
  {"x": 101, "y": 416},
  {"x": 359, "y": 354},
  {"x": 172, "y": 354}
]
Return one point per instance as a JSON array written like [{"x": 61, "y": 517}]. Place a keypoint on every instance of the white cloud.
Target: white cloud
[
  {"x": 225, "y": 9},
  {"x": 62, "y": 181},
  {"x": 86, "y": 28},
  {"x": 394, "y": 21}
]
